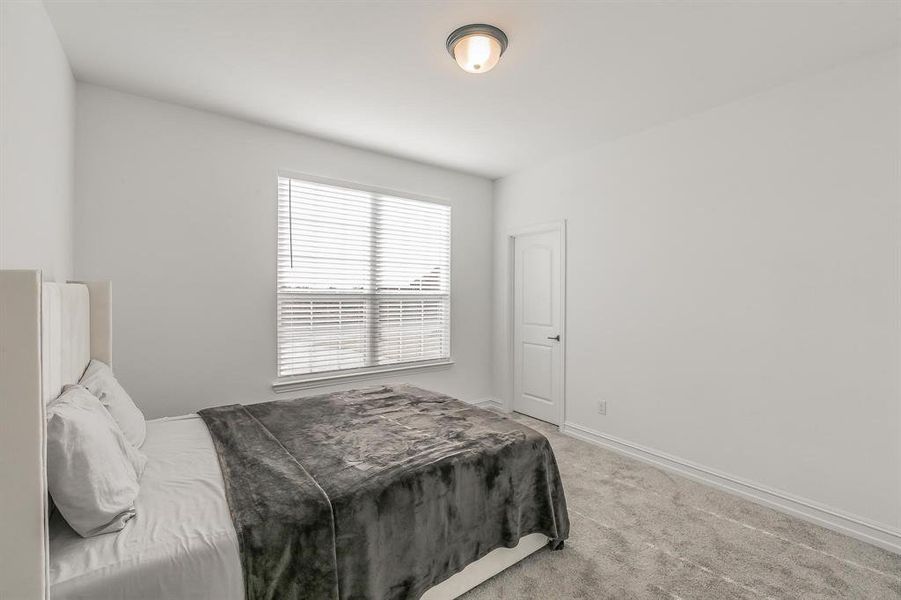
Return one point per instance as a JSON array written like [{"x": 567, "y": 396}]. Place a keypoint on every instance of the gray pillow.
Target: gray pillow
[
  {"x": 92, "y": 470},
  {"x": 99, "y": 380}
]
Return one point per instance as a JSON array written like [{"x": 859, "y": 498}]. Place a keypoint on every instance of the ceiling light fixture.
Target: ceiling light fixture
[{"x": 477, "y": 48}]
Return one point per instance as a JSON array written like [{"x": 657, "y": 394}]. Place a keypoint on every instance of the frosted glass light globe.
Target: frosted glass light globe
[
  {"x": 477, "y": 53},
  {"x": 477, "y": 48}
]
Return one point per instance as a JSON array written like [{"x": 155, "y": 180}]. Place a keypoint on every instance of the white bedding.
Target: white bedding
[{"x": 181, "y": 544}]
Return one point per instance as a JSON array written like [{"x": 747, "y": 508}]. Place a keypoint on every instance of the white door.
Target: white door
[{"x": 538, "y": 325}]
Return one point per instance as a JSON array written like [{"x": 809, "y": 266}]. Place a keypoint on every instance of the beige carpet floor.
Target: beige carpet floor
[{"x": 640, "y": 532}]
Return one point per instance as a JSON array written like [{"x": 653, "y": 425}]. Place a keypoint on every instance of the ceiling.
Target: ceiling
[{"x": 376, "y": 74}]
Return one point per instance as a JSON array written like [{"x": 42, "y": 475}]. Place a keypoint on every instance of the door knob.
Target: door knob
[{"x": 556, "y": 338}]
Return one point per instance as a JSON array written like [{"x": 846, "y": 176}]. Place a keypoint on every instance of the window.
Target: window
[{"x": 363, "y": 279}]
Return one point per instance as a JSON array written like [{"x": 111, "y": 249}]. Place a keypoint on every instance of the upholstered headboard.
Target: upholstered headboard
[
  {"x": 48, "y": 334},
  {"x": 65, "y": 336},
  {"x": 75, "y": 327}
]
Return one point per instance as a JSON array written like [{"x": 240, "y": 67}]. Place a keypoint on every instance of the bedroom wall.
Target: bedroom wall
[
  {"x": 178, "y": 208},
  {"x": 733, "y": 289},
  {"x": 37, "y": 123}
]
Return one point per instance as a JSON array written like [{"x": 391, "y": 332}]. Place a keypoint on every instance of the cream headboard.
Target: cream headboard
[
  {"x": 65, "y": 336},
  {"x": 48, "y": 334},
  {"x": 76, "y": 324}
]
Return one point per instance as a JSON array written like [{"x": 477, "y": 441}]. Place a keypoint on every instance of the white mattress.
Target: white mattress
[{"x": 181, "y": 544}]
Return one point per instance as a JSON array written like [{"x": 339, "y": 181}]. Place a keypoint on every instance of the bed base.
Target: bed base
[{"x": 485, "y": 568}]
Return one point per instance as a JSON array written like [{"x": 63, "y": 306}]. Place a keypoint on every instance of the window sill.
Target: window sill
[{"x": 291, "y": 384}]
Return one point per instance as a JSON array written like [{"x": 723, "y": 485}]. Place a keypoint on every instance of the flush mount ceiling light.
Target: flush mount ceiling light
[{"x": 477, "y": 48}]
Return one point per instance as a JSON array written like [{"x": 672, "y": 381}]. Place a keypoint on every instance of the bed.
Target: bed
[
  {"x": 184, "y": 544},
  {"x": 407, "y": 494}
]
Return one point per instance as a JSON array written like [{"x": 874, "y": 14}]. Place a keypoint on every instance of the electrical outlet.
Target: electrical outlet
[{"x": 602, "y": 407}]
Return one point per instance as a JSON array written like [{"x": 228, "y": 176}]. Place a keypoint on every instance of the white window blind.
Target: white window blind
[{"x": 363, "y": 279}]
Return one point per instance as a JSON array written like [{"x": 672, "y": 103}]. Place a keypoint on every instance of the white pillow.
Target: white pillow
[
  {"x": 92, "y": 470},
  {"x": 99, "y": 380}
]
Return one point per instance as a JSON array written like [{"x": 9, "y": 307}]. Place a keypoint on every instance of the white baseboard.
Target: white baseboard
[
  {"x": 877, "y": 534},
  {"x": 492, "y": 403}
]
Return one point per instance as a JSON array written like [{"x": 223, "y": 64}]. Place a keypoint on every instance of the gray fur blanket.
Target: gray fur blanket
[{"x": 379, "y": 493}]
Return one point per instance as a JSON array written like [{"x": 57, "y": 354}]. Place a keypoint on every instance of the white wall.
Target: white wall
[
  {"x": 733, "y": 287},
  {"x": 178, "y": 208},
  {"x": 37, "y": 106}
]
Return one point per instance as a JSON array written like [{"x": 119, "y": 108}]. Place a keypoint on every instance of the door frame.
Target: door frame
[{"x": 510, "y": 241}]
